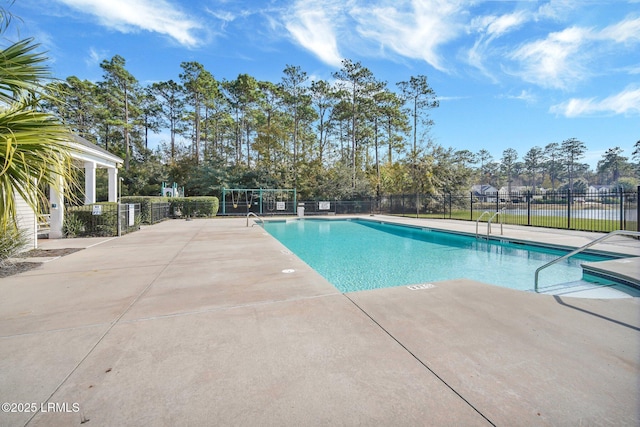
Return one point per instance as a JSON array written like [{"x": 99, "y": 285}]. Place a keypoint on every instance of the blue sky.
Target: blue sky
[{"x": 509, "y": 74}]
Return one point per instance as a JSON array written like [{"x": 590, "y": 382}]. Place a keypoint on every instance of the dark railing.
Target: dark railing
[
  {"x": 129, "y": 217},
  {"x": 101, "y": 219},
  {"x": 159, "y": 212},
  {"x": 589, "y": 211}
]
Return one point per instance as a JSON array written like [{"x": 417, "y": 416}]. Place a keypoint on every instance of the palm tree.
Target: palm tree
[{"x": 33, "y": 143}]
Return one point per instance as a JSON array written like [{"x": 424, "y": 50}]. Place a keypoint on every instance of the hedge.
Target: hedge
[
  {"x": 180, "y": 207},
  {"x": 194, "y": 207}
]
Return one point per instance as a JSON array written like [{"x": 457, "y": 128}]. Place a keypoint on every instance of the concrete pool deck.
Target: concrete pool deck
[{"x": 196, "y": 323}]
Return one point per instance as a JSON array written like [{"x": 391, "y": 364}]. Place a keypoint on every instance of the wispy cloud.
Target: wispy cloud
[
  {"x": 157, "y": 16},
  {"x": 95, "y": 57},
  {"x": 490, "y": 28},
  {"x": 524, "y": 95},
  {"x": 626, "y": 102},
  {"x": 312, "y": 25},
  {"x": 556, "y": 61},
  {"x": 413, "y": 29},
  {"x": 626, "y": 31},
  {"x": 557, "y": 9},
  {"x": 563, "y": 59}
]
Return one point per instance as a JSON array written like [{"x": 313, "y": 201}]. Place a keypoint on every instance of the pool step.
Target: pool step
[
  {"x": 623, "y": 270},
  {"x": 589, "y": 289}
]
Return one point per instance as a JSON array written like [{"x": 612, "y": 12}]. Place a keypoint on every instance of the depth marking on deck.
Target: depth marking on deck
[{"x": 421, "y": 286}]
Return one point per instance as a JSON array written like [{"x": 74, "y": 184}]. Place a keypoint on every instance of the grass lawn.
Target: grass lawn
[{"x": 551, "y": 221}]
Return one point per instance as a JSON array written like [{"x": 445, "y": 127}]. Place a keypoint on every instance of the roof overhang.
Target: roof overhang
[{"x": 85, "y": 151}]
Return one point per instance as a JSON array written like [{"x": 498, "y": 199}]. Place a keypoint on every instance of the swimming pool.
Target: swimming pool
[{"x": 358, "y": 254}]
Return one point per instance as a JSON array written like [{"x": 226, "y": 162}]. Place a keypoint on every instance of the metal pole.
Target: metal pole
[
  {"x": 224, "y": 204},
  {"x": 471, "y": 205},
  {"x": 568, "y": 209},
  {"x": 528, "y": 207},
  {"x": 638, "y": 208},
  {"x": 621, "y": 208},
  {"x": 119, "y": 220}
]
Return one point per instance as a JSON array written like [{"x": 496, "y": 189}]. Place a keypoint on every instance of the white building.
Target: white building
[{"x": 88, "y": 156}]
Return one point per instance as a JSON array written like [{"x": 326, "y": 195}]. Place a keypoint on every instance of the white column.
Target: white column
[
  {"x": 89, "y": 183},
  {"x": 113, "y": 184},
  {"x": 56, "y": 206}
]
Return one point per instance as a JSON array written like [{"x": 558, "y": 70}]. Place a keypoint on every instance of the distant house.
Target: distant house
[
  {"x": 484, "y": 193},
  {"x": 600, "y": 189},
  {"x": 518, "y": 193}
]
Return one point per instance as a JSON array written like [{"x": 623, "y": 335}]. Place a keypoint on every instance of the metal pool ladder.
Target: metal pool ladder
[
  {"x": 478, "y": 220},
  {"x": 489, "y": 222},
  {"x": 256, "y": 215},
  {"x": 582, "y": 248},
  {"x": 497, "y": 214}
]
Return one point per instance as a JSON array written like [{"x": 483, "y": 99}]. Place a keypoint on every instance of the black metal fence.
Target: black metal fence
[
  {"x": 101, "y": 220},
  {"x": 589, "y": 211},
  {"x": 129, "y": 218},
  {"x": 159, "y": 212}
]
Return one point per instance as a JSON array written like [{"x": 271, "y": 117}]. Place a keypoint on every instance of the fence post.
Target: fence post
[
  {"x": 471, "y": 205},
  {"x": 638, "y": 208},
  {"x": 568, "y": 209},
  {"x": 621, "y": 209},
  {"x": 119, "y": 220},
  {"x": 529, "y": 207}
]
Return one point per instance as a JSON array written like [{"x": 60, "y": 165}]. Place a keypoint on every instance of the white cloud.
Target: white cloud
[
  {"x": 564, "y": 59},
  {"x": 491, "y": 27},
  {"x": 414, "y": 29},
  {"x": 222, "y": 15},
  {"x": 496, "y": 26},
  {"x": 557, "y": 9},
  {"x": 524, "y": 95},
  {"x": 627, "y": 31},
  {"x": 95, "y": 57},
  {"x": 313, "y": 27},
  {"x": 157, "y": 16},
  {"x": 556, "y": 61},
  {"x": 626, "y": 103}
]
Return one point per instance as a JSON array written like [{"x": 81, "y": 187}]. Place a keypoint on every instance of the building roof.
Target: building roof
[{"x": 87, "y": 151}]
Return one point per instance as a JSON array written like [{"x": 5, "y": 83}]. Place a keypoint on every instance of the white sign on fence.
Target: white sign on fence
[
  {"x": 132, "y": 215},
  {"x": 280, "y": 206},
  {"x": 97, "y": 210},
  {"x": 324, "y": 206}
]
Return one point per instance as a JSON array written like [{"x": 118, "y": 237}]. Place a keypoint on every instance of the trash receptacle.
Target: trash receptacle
[{"x": 301, "y": 209}]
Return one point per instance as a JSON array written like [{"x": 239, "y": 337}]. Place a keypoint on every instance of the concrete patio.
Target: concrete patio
[{"x": 195, "y": 323}]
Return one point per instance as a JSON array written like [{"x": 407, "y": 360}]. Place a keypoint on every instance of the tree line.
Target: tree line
[{"x": 355, "y": 136}]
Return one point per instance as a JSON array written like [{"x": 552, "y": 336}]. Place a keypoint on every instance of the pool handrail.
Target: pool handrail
[
  {"x": 498, "y": 214},
  {"x": 582, "y": 248},
  {"x": 256, "y": 215},
  {"x": 478, "y": 220}
]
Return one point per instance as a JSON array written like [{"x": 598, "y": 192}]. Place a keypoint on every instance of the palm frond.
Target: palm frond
[
  {"x": 33, "y": 149},
  {"x": 21, "y": 69}
]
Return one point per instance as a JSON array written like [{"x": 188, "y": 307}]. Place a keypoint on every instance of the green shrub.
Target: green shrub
[
  {"x": 72, "y": 226},
  {"x": 12, "y": 241},
  {"x": 86, "y": 224},
  {"x": 194, "y": 207}
]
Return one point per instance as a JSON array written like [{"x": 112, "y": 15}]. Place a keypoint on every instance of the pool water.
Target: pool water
[{"x": 357, "y": 255}]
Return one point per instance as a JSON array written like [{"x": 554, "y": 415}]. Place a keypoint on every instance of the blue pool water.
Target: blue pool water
[{"x": 360, "y": 254}]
